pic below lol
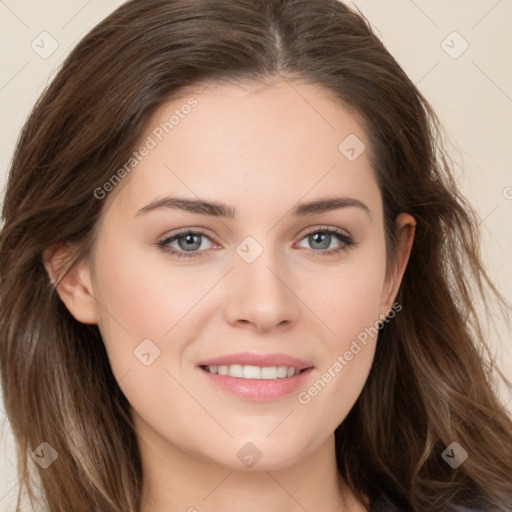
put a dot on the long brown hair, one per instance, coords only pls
(431, 383)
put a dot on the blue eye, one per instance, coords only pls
(189, 242)
(324, 237)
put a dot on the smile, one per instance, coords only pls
(253, 372)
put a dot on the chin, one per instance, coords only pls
(260, 454)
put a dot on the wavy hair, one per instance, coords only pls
(431, 382)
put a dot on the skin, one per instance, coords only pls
(259, 149)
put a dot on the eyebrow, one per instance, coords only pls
(216, 209)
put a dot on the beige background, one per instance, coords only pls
(471, 91)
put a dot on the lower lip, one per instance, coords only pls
(258, 389)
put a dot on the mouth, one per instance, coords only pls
(256, 377)
(240, 371)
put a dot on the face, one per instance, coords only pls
(244, 328)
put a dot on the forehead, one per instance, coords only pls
(239, 142)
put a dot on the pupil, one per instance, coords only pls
(192, 239)
(325, 236)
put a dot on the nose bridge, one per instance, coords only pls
(259, 290)
(257, 264)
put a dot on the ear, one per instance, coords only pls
(405, 227)
(73, 285)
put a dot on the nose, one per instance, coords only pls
(261, 294)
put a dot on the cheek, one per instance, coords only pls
(348, 299)
(143, 308)
(356, 305)
(351, 311)
(140, 290)
(136, 303)
(349, 353)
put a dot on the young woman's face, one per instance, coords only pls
(210, 261)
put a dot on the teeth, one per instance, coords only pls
(254, 372)
(269, 372)
(281, 372)
(236, 370)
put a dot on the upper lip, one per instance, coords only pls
(252, 359)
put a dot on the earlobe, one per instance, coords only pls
(406, 227)
(73, 284)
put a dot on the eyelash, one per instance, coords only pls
(345, 240)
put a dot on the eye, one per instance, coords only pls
(189, 242)
(321, 238)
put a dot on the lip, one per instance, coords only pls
(257, 389)
(253, 359)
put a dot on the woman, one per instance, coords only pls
(172, 338)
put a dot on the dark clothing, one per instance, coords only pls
(384, 504)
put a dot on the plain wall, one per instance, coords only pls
(471, 92)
